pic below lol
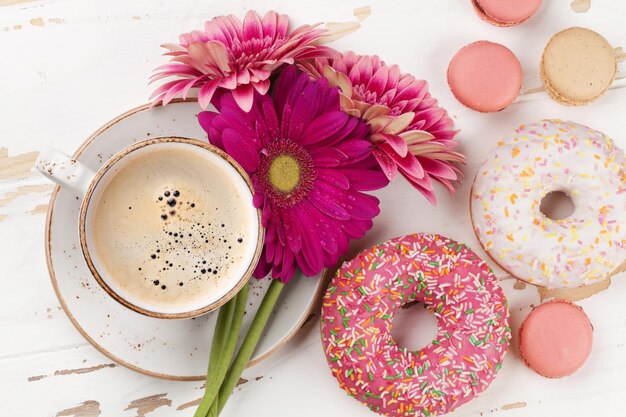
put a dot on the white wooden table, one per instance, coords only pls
(68, 66)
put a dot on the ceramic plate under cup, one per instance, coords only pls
(172, 349)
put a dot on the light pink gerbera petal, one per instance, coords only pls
(206, 94)
(243, 95)
(387, 165)
(397, 143)
(262, 86)
(239, 55)
(252, 27)
(393, 103)
(408, 165)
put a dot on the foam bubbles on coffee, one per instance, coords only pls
(170, 228)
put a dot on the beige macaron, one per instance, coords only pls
(578, 65)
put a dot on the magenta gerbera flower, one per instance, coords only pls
(236, 56)
(410, 133)
(308, 162)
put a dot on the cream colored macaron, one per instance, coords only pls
(578, 65)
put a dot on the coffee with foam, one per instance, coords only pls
(172, 228)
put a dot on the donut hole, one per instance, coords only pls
(414, 326)
(557, 205)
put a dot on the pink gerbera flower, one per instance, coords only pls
(410, 133)
(235, 56)
(308, 161)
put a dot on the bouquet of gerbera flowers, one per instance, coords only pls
(314, 130)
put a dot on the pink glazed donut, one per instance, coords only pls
(456, 285)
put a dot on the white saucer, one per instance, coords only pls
(172, 349)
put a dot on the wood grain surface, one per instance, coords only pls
(68, 66)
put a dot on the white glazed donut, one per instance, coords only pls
(553, 155)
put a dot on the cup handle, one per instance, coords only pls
(64, 170)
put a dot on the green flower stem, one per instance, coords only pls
(249, 343)
(227, 334)
(213, 410)
(224, 318)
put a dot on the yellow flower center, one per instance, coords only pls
(284, 173)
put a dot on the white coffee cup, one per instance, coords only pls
(91, 186)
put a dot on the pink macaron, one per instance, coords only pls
(555, 339)
(485, 76)
(506, 12)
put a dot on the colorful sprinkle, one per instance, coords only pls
(472, 316)
(536, 159)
